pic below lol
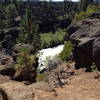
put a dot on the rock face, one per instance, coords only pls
(96, 52)
(6, 65)
(86, 44)
(82, 86)
(3, 95)
(61, 75)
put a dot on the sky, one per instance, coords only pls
(63, 0)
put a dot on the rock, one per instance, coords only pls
(6, 60)
(7, 70)
(81, 85)
(95, 15)
(61, 75)
(73, 28)
(3, 95)
(4, 79)
(83, 39)
(65, 22)
(44, 86)
(6, 65)
(96, 52)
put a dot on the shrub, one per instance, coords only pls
(83, 14)
(41, 77)
(29, 30)
(11, 13)
(25, 60)
(51, 40)
(65, 54)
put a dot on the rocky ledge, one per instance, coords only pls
(86, 39)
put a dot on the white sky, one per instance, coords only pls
(62, 0)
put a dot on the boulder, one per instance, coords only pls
(95, 14)
(96, 52)
(73, 28)
(83, 39)
(61, 75)
(6, 65)
(3, 95)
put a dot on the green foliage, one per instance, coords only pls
(50, 39)
(11, 13)
(26, 65)
(84, 4)
(93, 67)
(25, 60)
(41, 77)
(24, 50)
(94, 7)
(65, 54)
(2, 14)
(29, 28)
(83, 15)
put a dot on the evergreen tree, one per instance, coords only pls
(84, 4)
(97, 4)
(29, 30)
(2, 15)
(11, 13)
(65, 5)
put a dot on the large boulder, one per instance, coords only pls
(96, 52)
(3, 95)
(83, 40)
(6, 65)
(95, 15)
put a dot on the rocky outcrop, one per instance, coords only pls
(3, 95)
(84, 38)
(6, 65)
(95, 14)
(61, 75)
(96, 52)
(83, 86)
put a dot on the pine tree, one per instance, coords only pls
(11, 13)
(2, 15)
(29, 30)
(65, 5)
(84, 4)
